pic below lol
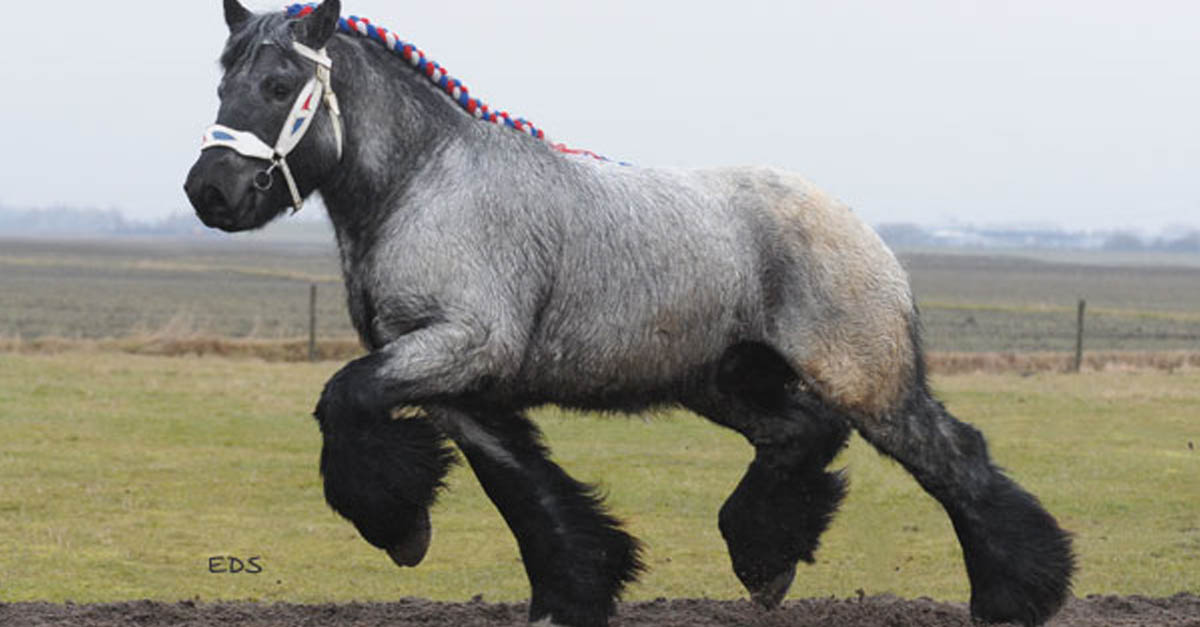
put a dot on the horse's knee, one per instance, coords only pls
(353, 396)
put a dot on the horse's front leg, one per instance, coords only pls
(381, 468)
(576, 555)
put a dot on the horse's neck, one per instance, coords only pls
(396, 125)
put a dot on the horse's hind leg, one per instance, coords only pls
(1018, 559)
(576, 555)
(786, 499)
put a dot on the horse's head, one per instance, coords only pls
(278, 130)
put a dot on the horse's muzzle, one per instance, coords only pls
(220, 188)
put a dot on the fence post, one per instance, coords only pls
(312, 322)
(1079, 336)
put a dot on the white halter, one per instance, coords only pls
(318, 89)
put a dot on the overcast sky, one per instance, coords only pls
(1081, 113)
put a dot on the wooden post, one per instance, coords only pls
(312, 322)
(1079, 336)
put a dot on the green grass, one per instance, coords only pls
(121, 475)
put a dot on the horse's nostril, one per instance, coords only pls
(211, 197)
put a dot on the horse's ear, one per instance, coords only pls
(315, 29)
(235, 14)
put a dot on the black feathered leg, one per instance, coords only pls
(380, 472)
(576, 555)
(775, 517)
(1017, 557)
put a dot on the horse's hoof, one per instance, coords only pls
(412, 550)
(770, 595)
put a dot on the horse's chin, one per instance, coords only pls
(253, 212)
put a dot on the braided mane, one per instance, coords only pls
(438, 76)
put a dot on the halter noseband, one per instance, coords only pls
(318, 89)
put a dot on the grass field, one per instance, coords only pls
(121, 476)
(242, 288)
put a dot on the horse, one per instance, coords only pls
(489, 270)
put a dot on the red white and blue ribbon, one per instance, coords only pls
(436, 74)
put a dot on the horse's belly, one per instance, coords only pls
(650, 287)
(617, 352)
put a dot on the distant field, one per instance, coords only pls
(1014, 303)
(122, 476)
(236, 288)
(244, 288)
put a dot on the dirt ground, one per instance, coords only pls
(1181, 610)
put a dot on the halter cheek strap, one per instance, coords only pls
(318, 89)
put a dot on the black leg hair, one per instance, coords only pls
(381, 473)
(777, 514)
(1018, 559)
(577, 556)
(786, 500)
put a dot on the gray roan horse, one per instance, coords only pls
(488, 272)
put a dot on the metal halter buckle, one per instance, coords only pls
(265, 179)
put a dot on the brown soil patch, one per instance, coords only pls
(1181, 610)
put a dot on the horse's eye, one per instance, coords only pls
(277, 88)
